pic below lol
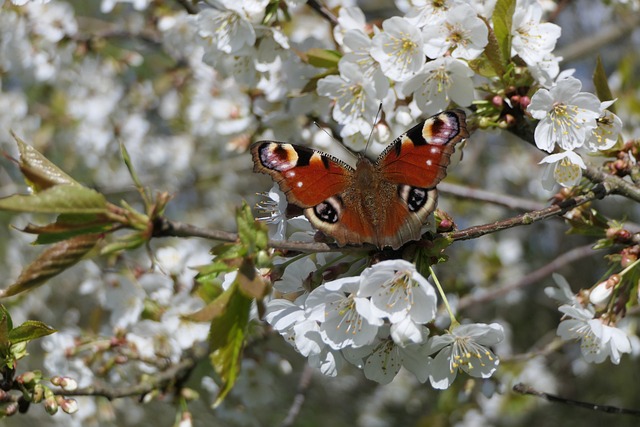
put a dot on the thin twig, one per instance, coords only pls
(525, 389)
(322, 10)
(528, 280)
(157, 381)
(166, 228)
(613, 184)
(527, 218)
(507, 201)
(301, 394)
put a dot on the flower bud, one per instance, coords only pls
(601, 293)
(70, 406)
(50, 405)
(10, 409)
(68, 384)
(38, 393)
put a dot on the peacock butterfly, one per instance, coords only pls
(385, 202)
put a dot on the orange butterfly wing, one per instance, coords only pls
(306, 176)
(419, 157)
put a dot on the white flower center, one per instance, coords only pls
(465, 352)
(351, 321)
(564, 118)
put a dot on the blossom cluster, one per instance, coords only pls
(569, 120)
(599, 339)
(423, 57)
(377, 322)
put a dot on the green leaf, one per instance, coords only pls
(5, 327)
(502, 22)
(601, 84)
(29, 331)
(129, 164)
(253, 234)
(322, 58)
(214, 309)
(492, 63)
(228, 251)
(250, 282)
(38, 171)
(67, 226)
(71, 199)
(52, 262)
(127, 242)
(226, 340)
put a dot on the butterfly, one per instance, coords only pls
(383, 202)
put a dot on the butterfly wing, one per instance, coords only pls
(416, 162)
(316, 182)
(419, 157)
(306, 176)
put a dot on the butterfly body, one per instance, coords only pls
(385, 202)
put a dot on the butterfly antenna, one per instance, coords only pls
(342, 146)
(366, 147)
(323, 130)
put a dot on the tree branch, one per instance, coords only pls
(322, 10)
(613, 184)
(521, 388)
(158, 381)
(301, 393)
(527, 218)
(511, 202)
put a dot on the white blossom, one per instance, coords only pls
(546, 70)
(387, 357)
(360, 54)
(465, 348)
(565, 168)
(345, 319)
(355, 96)
(562, 292)
(531, 39)
(601, 294)
(398, 49)
(567, 116)
(349, 18)
(274, 206)
(461, 32)
(229, 31)
(597, 340)
(429, 12)
(608, 129)
(125, 299)
(52, 21)
(441, 81)
(399, 293)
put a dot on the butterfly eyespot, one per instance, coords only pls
(414, 197)
(328, 211)
(278, 157)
